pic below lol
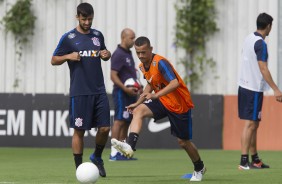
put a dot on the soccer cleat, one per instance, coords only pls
(122, 147)
(99, 163)
(198, 175)
(120, 157)
(259, 165)
(244, 167)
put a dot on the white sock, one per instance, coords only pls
(114, 151)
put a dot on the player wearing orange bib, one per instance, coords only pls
(171, 99)
(179, 100)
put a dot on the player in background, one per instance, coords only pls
(122, 68)
(83, 48)
(254, 79)
(171, 99)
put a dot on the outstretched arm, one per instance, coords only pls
(169, 88)
(148, 90)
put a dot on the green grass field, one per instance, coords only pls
(55, 166)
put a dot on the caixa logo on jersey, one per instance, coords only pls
(89, 53)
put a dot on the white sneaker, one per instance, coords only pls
(197, 176)
(122, 147)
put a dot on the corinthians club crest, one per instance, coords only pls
(96, 41)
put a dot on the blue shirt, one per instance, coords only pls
(123, 62)
(86, 76)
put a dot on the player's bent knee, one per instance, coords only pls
(142, 111)
(183, 143)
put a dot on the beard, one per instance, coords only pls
(84, 28)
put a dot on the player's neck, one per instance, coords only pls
(148, 64)
(123, 45)
(262, 33)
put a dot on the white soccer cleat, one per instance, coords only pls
(197, 176)
(244, 167)
(122, 147)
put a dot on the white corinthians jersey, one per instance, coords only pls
(250, 76)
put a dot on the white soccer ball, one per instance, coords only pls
(87, 173)
(131, 82)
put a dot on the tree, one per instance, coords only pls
(20, 21)
(194, 25)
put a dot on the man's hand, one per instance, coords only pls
(278, 95)
(74, 56)
(131, 107)
(105, 54)
(149, 96)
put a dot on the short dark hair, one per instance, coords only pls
(142, 40)
(263, 21)
(85, 9)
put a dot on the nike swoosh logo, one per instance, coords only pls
(77, 43)
(150, 80)
(157, 127)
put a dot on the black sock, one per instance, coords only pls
(198, 165)
(132, 140)
(77, 159)
(99, 150)
(244, 159)
(255, 158)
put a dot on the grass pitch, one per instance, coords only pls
(56, 166)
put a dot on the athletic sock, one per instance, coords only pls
(244, 159)
(255, 158)
(198, 165)
(98, 150)
(114, 151)
(132, 140)
(77, 159)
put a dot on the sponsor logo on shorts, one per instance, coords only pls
(125, 114)
(148, 101)
(259, 115)
(78, 122)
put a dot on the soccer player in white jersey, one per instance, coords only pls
(254, 79)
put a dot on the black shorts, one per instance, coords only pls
(249, 104)
(121, 100)
(180, 124)
(89, 111)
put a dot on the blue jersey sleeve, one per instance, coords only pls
(103, 46)
(261, 50)
(166, 70)
(63, 46)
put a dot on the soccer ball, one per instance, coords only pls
(87, 173)
(131, 82)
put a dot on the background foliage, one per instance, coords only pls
(19, 20)
(195, 24)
